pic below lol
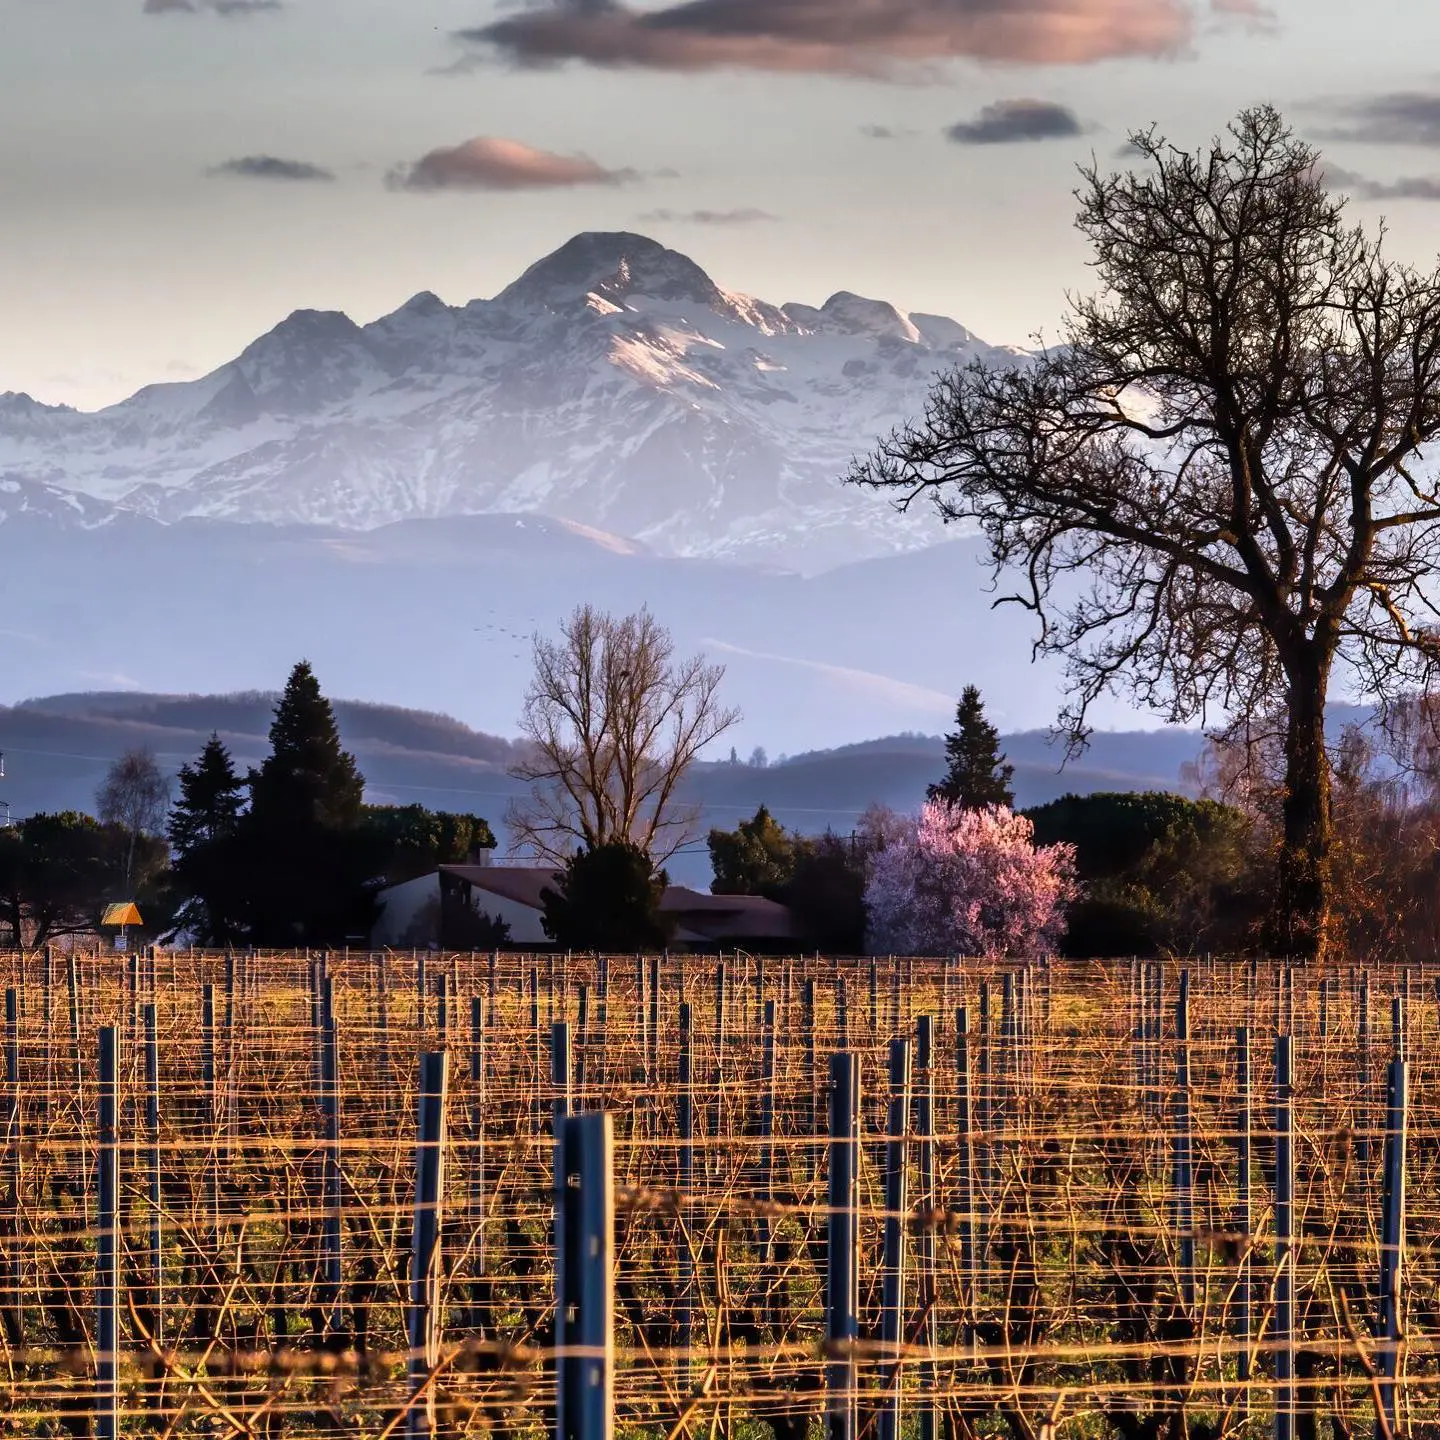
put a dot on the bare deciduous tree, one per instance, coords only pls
(613, 720)
(135, 795)
(1213, 491)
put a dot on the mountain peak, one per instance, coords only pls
(859, 316)
(614, 264)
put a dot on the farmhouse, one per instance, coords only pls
(416, 912)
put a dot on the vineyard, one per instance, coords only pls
(287, 1195)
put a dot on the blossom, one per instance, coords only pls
(968, 881)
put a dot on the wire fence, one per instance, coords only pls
(872, 1198)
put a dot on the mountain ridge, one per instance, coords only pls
(614, 384)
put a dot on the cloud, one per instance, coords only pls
(270, 167)
(1008, 122)
(229, 8)
(1403, 117)
(1361, 187)
(884, 132)
(486, 163)
(744, 215)
(854, 37)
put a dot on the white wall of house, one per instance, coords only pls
(523, 920)
(401, 904)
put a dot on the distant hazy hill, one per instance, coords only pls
(58, 747)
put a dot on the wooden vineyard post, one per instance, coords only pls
(1362, 1062)
(767, 1133)
(420, 995)
(1244, 1219)
(331, 1179)
(1284, 1238)
(713, 1158)
(897, 1219)
(107, 1251)
(559, 1075)
(925, 1134)
(424, 1310)
(1392, 1247)
(685, 1186)
(642, 1022)
(985, 1115)
(874, 996)
(602, 1016)
(584, 1283)
(807, 1030)
(965, 1171)
(155, 1239)
(477, 1143)
(842, 1251)
(652, 1059)
(383, 999)
(1184, 1147)
(14, 1303)
(212, 1107)
(73, 983)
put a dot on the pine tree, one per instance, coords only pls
(203, 827)
(977, 773)
(212, 795)
(307, 778)
(310, 868)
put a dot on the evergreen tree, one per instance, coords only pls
(755, 858)
(307, 778)
(608, 900)
(977, 774)
(212, 796)
(205, 869)
(310, 870)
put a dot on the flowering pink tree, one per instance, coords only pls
(969, 882)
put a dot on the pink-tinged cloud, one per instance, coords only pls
(486, 163)
(858, 37)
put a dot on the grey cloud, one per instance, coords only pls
(229, 8)
(1362, 187)
(744, 215)
(486, 163)
(1404, 117)
(857, 37)
(1008, 122)
(884, 132)
(270, 167)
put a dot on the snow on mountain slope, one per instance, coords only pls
(614, 384)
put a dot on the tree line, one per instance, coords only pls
(286, 854)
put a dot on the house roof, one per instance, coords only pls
(698, 914)
(520, 883)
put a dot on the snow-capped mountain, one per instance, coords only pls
(614, 385)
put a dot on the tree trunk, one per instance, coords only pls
(1301, 921)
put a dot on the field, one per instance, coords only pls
(1081, 1201)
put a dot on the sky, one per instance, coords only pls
(178, 175)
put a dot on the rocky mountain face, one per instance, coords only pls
(614, 385)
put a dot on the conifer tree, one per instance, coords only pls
(307, 778)
(311, 870)
(212, 795)
(205, 872)
(977, 773)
